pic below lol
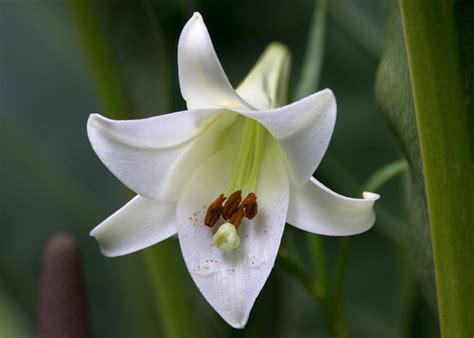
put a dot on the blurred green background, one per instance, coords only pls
(51, 180)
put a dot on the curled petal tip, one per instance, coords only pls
(328, 92)
(370, 196)
(95, 118)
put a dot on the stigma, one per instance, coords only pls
(226, 238)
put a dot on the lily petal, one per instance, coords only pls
(304, 129)
(315, 208)
(202, 80)
(137, 225)
(266, 86)
(230, 282)
(154, 156)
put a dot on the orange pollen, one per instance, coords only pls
(214, 211)
(235, 209)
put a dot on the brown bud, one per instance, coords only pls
(250, 206)
(214, 211)
(232, 204)
(63, 310)
(237, 217)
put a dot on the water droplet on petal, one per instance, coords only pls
(207, 268)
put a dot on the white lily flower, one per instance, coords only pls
(228, 140)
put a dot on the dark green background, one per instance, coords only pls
(51, 180)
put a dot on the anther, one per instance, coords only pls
(250, 206)
(214, 211)
(232, 204)
(237, 217)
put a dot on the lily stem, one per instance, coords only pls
(316, 247)
(336, 321)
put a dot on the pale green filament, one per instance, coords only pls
(249, 157)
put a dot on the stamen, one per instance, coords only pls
(231, 204)
(214, 211)
(234, 210)
(237, 217)
(250, 206)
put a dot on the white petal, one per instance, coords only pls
(201, 77)
(266, 86)
(155, 156)
(137, 225)
(304, 129)
(230, 282)
(315, 208)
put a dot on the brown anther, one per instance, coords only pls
(250, 206)
(214, 211)
(232, 204)
(237, 217)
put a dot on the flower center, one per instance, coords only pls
(249, 157)
(230, 206)
(234, 210)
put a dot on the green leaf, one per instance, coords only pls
(13, 321)
(438, 35)
(124, 46)
(314, 53)
(393, 93)
(427, 69)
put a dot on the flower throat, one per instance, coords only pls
(231, 206)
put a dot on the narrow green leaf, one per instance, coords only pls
(134, 37)
(314, 54)
(384, 174)
(353, 21)
(109, 86)
(393, 93)
(444, 111)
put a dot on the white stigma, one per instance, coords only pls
(226, 238)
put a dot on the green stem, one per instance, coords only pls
(107, 79)
(384, 174)
(173, 306)
(335, 299)
(316, 248)
(337, 322)
(357, 26)
(293, 268)
(169, 290)
(442, 117)
(314, 54)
